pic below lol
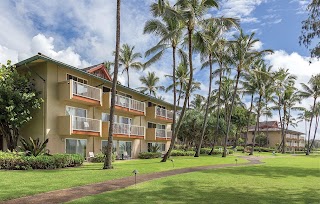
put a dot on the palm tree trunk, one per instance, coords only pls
(229, 117)
(108, 156)
(257, 125)
(165, 157)
(311, 119)
(283, 128)
(180, 94)
(207, 109)
(315, 130)
(249, 115)
(218, 111)
(128, 77)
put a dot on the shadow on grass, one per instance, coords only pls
(189, 193)
(270, 171)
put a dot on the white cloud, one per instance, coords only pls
(8, 54)
(41, 43)
(257, 46)
(241, 9)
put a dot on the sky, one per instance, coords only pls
(82, 33)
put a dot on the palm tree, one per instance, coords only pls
(127, 59)
(261, 76)
(198, 102)
(150, 84)
(108, 152)
(205, 43)
(313, 90)
(191, 14)
(170, 33)
(243, 55)
(283, 81)
(182, 79)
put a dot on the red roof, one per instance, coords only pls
(97, 69)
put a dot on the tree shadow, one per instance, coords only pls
(190, 193)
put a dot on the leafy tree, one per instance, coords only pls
(18, 97)
(108, 153)
(127, 58)
(311, 28)
(150, 84)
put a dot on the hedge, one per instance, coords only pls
(12, 161)
(99, 158)
(149, 155)
(182, 153)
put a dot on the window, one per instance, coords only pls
(124, 148)
(74, 78)
(125, 120)
(152, 125)
(160, 126)
(162, 146)
(106, 89)
(80, 112)
(76, 146)
(105, 117)
(104, 144)
(150, 104)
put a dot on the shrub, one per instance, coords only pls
(13, 161)
(99, 158)
(182, 153)
(149, 155)
(205, 150)
(33, 146)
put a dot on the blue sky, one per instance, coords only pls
(82, 33)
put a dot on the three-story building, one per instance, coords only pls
(75, 113)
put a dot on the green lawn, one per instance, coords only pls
(289, 179)
(15, 184)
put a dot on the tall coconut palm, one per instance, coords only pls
(108, 152)
(261, 76)
(313, 90)
(181, 80)
(127, 59)
(243, 55)
(170, 32)
(191, 14)
(205, 42)
(150, 84)
(198, 103)
(283, 81)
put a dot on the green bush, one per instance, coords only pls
(205, 150)
(99, 158)
(149, 155)
(182, 153)
(13, 161)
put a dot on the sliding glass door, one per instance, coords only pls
(76, 146)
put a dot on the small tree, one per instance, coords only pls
(18, 97)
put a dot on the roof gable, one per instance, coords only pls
(99, 70)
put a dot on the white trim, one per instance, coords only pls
(76, 108)
(77, 77)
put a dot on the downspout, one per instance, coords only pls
(44, 106)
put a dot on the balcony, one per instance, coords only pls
(78, 92)
(124, 104)
(158, 134)
(159, 114)
(124, 130)
(74, 125)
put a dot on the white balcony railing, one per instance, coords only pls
(130, 103)
(163, 133)
(86, 91)
(126, 129)
(160, 133)
(86, 124)
(164, 113)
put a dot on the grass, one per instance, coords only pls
(16, 184)
(289, 179)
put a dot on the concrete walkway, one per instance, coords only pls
(65, 195)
